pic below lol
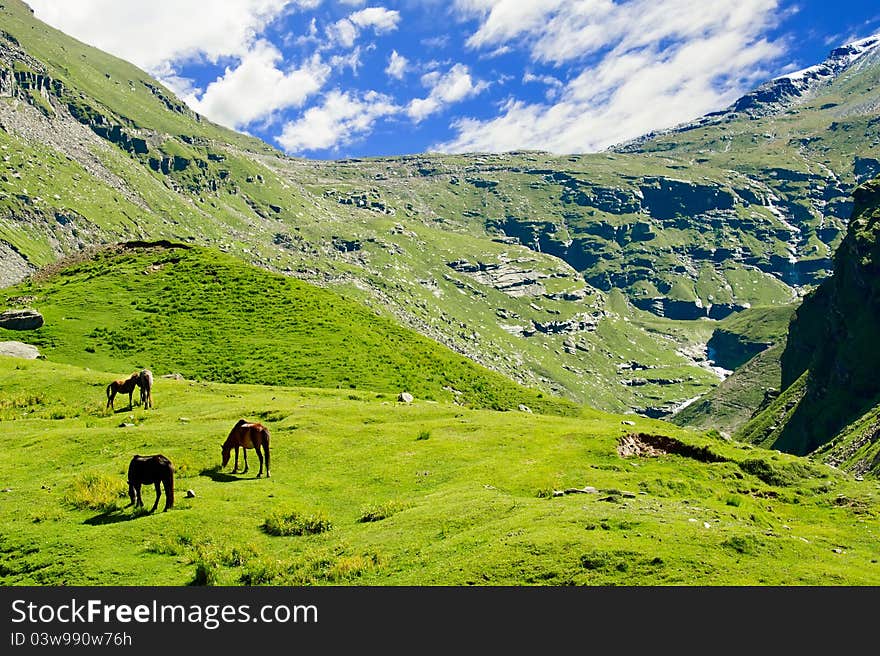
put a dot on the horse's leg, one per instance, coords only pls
(158, 492)
(266, 449)
(139, 503)
(260, 456)
(169, 491)
(130, 494)
(244, 450)
(235, 468)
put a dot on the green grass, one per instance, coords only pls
(760, 325)
(462, 508)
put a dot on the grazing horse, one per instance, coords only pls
(247, 435)
(146, 470)
(125, 386)
(145, 382)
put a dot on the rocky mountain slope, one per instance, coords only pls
(830, 397)
(598, 277)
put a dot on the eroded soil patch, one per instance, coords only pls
(646, 445)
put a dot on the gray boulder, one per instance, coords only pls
(405, 397)
(21, 319)
(19, 350)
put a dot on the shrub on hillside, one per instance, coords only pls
(296, 523)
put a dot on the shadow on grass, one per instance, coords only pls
(119, 411)
(116, 515)
(218, 476)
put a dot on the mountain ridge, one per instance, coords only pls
(568, 273)
(774, 95)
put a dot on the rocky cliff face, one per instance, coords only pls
(830, 388)
(834, 335)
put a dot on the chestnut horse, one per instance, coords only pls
(150, 470)
(246, 436)
(125, 386)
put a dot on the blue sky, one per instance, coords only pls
(357, 78)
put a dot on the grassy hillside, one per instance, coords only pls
(750, 343)
(207, 315)
(740, 396)
(398, 494)
(741, 336)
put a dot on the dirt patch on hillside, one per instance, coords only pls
(645, 445)
(91, 252)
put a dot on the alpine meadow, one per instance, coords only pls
(652, 365)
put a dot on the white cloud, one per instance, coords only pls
(554, 85)
(379, 18)
(397, 65)
(352, 60)
(649, 64)
(345, 31)
(178, 29)
(453, 86)
(503, 20)
(257, 87)
(183, 30)
(342, 118)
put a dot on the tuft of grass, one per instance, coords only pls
(423, 435)
(206, 572)
(95, 492)
(381, 511)
(261, 571)
(743, 544)
(350, 567)
(733, 500)
(296, 523)
(170, 546)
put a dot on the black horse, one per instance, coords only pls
(146, 470)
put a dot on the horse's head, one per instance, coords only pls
(225, 451)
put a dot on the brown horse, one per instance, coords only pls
(150, 470)
(145, 382)
(247, 435)
(125, 386)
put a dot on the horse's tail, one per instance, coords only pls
(266, 448)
